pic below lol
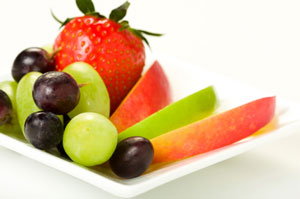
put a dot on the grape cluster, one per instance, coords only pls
(54, 111)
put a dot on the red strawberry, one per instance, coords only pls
(113, 48)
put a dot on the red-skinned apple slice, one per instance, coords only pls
(214, 132)
(150, 94)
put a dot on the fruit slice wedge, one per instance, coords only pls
(214, 132)
(183, 112)
(150, 94)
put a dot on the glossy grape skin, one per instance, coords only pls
(132, 157)
(60, 147)
(5, 108)
(94, 96)
(32, 59)
(44, 130)
(66, 120)
(90, 139)
(56, 92)
(62, 151)
(24, 100)
(11, 127)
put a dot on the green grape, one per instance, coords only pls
(93, 93)
(24, 100)
(48, 48)
(12, 127)
(90, 139)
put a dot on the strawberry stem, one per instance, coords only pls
(82, 85)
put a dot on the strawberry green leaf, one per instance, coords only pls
(55, 18)
(85, 6)
(151, 33)
(140, 35)
(96, 14)
(63, 23)
(120, 12)
(124, 25)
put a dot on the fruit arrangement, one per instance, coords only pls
(85, 96)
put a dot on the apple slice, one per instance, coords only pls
(150, 94)
(214, 132)
(183, 112)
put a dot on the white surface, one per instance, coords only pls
(230, 94)
(256, 42)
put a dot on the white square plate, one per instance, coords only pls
(184, 79)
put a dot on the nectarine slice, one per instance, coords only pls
(214, 132)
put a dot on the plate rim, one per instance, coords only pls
(130, 190)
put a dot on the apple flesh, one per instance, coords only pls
(183, 112)
(150, 94)
(214, 132)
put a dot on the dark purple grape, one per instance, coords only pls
(43, 130)
(60, 146)
(132, 157)
(67, 119)
(62, 151)
(56, 92)
(5, 108)
(32, 59)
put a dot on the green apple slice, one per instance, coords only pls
(183, 112)
(93, 93)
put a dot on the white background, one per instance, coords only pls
(255, 42)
